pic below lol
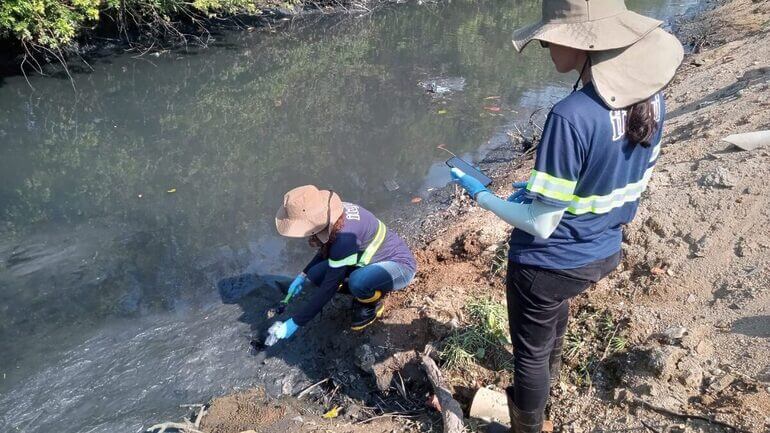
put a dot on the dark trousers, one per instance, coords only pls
(538, 312)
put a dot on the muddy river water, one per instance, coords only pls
(126, 201)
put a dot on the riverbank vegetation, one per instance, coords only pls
(51, 26)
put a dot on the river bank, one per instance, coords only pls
(63, 37)
(683, 324)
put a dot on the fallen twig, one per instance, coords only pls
(663, 410)
(162, 427)
(305, 391)
(649, 427)
(452, 413)
(388, 415)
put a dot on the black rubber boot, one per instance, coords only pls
(366, 311)
(523, 421)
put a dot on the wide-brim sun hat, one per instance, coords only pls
(588, 25)
(308, 211)
(625, 76)
(632, 58)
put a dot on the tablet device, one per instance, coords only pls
(470, 170)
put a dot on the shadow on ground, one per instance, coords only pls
(326, 348)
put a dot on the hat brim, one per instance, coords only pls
(609, 33)
(302, 228)
(626, 76)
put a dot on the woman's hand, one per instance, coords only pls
(296, 285)
(519, 189)
(280, 331)
(469, 183)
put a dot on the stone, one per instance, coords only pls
(364, 358)
(721, 383)
(764, 375)
(353, 411)
(720, 177)
(704, 348)
(690, 374)
(622, 395)
(674, 334)
(662, 361)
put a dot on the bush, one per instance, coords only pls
(48, 23)
(53, 24)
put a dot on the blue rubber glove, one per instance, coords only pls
(519, 189)
(296, 285)
(469, 183)
(280, 331)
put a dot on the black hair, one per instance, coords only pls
(641, 124)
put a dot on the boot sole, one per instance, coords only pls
(376, 316)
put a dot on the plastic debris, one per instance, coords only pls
(442, 111)
(332, 413)
(749, 140)
(391, 185)
(416, 200)
(172, 190)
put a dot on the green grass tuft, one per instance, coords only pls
(484, 339)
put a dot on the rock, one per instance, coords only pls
(721, 384)
(690, 374)
(764, 375)
(662, 361)
(364, 358)
(649, 388)
(718, 178)
(353, 411)
(673, 335)
(622, 396)
(704, 348)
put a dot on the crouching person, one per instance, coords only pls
(356, 253)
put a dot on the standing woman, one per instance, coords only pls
(352, 245)
(593, 162)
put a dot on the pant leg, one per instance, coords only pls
(383, 276)
(536, 307)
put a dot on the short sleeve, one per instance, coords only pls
(558, 163)
(344, 251)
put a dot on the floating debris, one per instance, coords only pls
(443, 86)
(391, 185)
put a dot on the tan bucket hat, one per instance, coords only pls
(308, 211)
(625, 76)
(588, 25)
(632, 58)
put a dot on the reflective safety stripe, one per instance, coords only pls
(551, 186)
(375, 297)
(655, 152)
(604, 203)
(347, 261)
(374, 245)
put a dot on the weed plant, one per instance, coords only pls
(484, 340)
